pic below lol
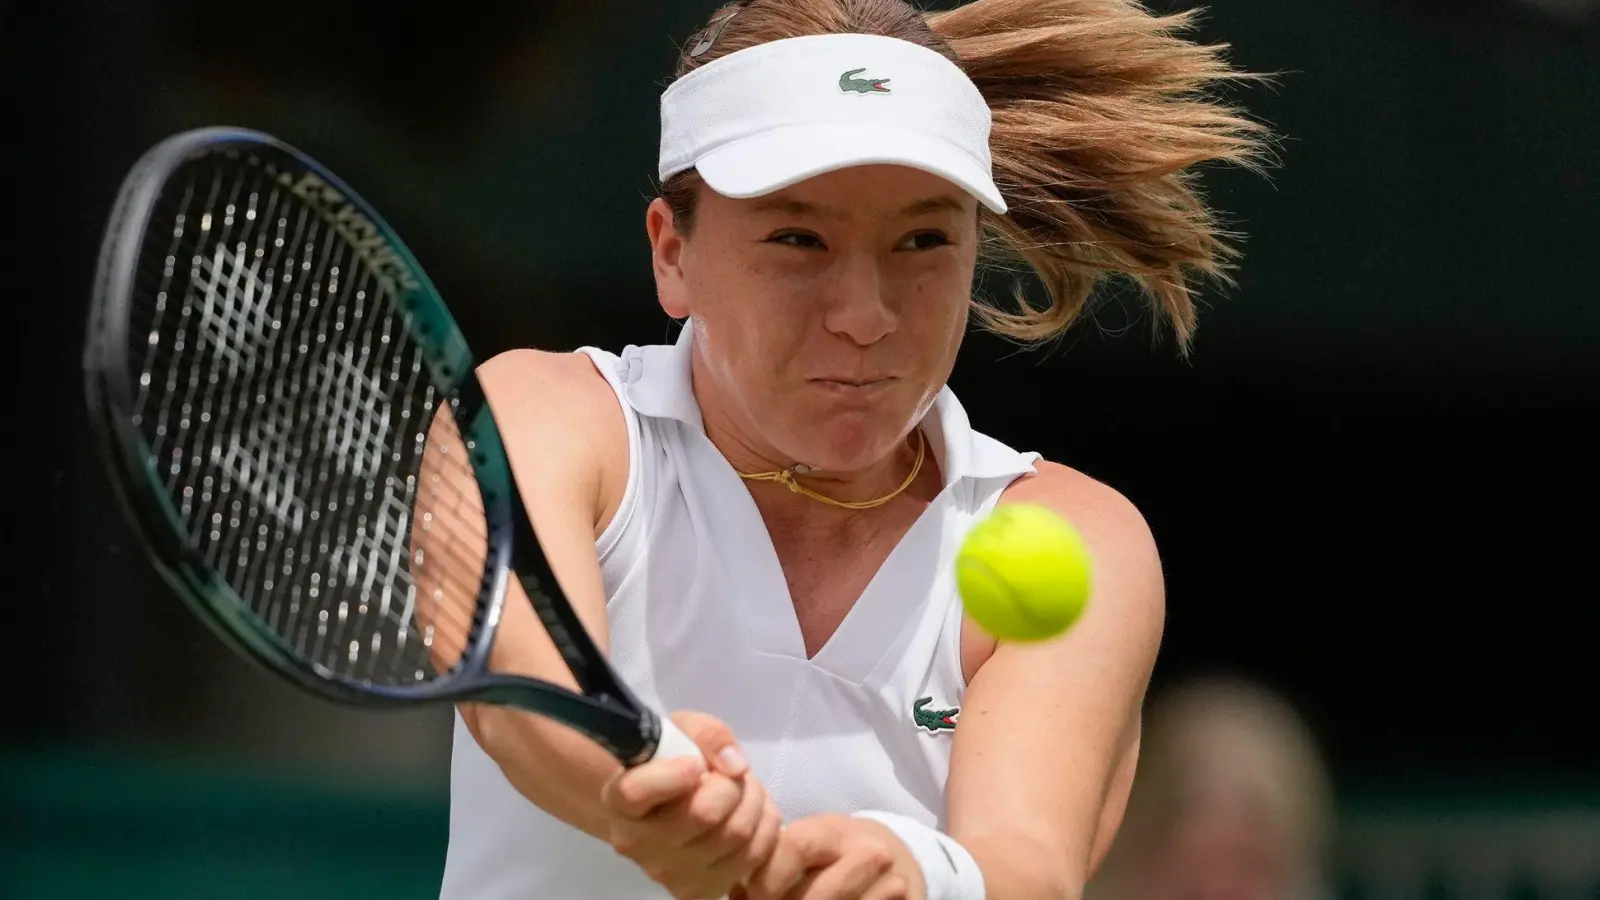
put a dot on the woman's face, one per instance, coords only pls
(828, 314)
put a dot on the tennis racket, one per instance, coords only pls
(294, 426)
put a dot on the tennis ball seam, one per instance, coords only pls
(1013, 600)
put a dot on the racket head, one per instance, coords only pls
(242, 296)
(138, 229)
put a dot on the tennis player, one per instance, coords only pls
(758, 520)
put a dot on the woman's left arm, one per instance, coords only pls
(1048, 738)
(1044, 750)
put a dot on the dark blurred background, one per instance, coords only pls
(1371, 483)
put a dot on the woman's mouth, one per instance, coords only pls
(852, 386)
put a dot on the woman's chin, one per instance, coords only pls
(847, 435)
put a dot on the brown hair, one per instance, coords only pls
(1101, 113)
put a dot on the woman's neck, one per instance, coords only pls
(750, 455)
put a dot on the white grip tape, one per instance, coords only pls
(674, 743)
(948, 869)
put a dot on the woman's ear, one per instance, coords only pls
(666, 258)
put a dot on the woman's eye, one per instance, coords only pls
(800, 239)
(924, 240)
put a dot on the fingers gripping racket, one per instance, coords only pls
(293, 422)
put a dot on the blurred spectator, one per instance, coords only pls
(1231, 801)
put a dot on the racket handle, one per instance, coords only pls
(674, 743)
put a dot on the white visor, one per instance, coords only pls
(762, 119)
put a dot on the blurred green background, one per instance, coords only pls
(1372, 485)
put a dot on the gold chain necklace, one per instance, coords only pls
(786, 477)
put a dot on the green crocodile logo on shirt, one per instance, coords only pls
(848, 82)
(934, 719)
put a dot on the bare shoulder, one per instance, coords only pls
(527, 380)
(561, 423)
(1095, 508)
(1129, 586)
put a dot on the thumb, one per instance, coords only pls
(715, 739)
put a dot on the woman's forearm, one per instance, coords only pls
(556, 768)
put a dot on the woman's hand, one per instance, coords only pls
(697, 827)
(834, 857)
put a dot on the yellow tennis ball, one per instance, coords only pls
(1024, 573)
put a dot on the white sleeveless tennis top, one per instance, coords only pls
(701, 619)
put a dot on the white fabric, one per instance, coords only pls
(948, 870)
(763, 118)
(700, 618)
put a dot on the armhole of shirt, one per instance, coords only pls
(608, 365)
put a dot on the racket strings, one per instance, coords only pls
(288, 413)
